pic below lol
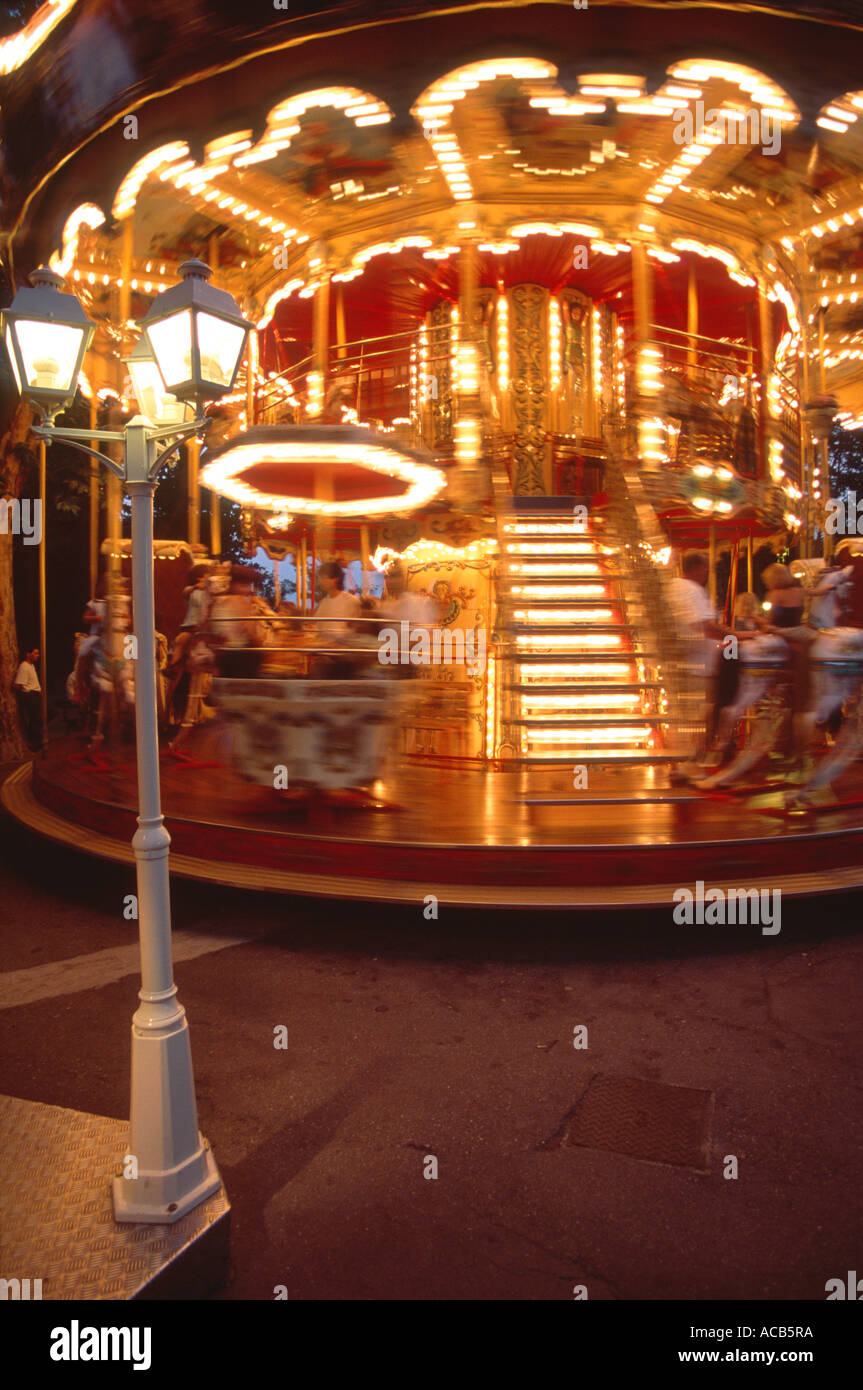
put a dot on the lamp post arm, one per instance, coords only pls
(57, 432)
(49, 435)
(177, 437)
(74, 439)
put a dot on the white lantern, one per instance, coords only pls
(46, 334)
(197, 335)
(154, 402)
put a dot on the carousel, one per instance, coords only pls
(531, 320)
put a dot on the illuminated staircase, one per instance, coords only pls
(582, 687)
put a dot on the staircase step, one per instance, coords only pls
(551, 524)
(598, 657)
(529, 504)
(561, 574)
(636, 799)
(579, 756)
(598, 603)
(586, 722)
(581, 596)
(582, 687)
(567, 629)
(553, 550)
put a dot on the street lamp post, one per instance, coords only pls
(195, 336)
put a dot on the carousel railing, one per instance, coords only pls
(708, 394)
(383, 377)
(713, 399)
(787, 423)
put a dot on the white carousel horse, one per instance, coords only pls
(765, 662)
(836, 664)
(835, 657)
(103, 670)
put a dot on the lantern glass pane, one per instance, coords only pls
(220, 344)
(12, 358)
(171, 341)
(49, 353)
(153, 400)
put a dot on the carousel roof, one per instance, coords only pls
(373, 160)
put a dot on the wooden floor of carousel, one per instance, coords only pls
(468, 835)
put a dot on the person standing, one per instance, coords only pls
(700, 631)
(28, 692)
(336, 606)
(336, 603)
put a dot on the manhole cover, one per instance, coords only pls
(667, 1124)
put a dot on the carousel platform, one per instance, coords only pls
(470, 836)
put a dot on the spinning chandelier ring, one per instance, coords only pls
(225, 469)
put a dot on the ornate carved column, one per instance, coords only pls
(531, 470)
(575, 308)
(648, 359)
(440, 353)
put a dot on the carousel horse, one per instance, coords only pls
(836, 665)
(186, 703)
(765, 664)
(835, 661)
(187, 672)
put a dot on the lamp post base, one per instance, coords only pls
(167, 1197)
(168, 1167)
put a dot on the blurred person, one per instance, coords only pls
(94, 620)
(849, 556)
(400, 604)
(785, 598)
(695, 613)
(336, 603)
(236, 626)
(197, 598)
(747, 623)
(699, 630)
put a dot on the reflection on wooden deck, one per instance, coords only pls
(467, 834)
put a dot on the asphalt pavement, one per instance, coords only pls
(454, 1040)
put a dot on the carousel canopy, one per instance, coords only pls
(751, 173)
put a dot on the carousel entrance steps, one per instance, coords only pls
(560, 574)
